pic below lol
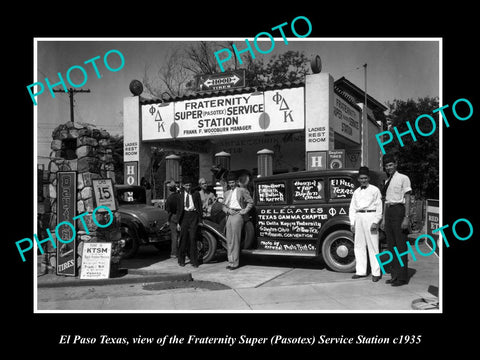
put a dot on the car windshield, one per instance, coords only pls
(131, 196)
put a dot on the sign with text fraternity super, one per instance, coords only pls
(269, 111)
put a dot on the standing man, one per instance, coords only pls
(365, 215)
(172, 221)
(238, 203)
(189, 215)
(397, 191)
(208, 198)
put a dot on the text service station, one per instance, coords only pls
(300, 122)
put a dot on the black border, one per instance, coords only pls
(455, 23)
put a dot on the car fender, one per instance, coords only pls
(135, 223)
(207, 225)
(340, 222)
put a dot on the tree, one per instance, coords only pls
(116, 143)
(287, 67)
(418, 159)
(171, 78)
(177, 76)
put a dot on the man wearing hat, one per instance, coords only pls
(189, 210)
(396, 192)
(238, 203)
(172, 221)
(365, 214)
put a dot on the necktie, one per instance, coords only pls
(385, 187)
(187, 201)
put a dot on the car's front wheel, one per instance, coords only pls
(207, 246)
(337, 251)
(131, 242)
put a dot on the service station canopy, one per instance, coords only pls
(247, 113)
(259, 112)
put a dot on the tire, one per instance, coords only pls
(129, 250)
(248, 235)
(207, 246)
(337, 251)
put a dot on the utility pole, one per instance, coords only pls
(71, 92)
(365, 123)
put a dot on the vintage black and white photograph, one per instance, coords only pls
(268, 174)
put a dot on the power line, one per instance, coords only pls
(71, 92)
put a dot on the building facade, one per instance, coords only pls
(314, 124)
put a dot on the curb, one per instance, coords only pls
(137, 277)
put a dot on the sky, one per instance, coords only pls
(396, 69)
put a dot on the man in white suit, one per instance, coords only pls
(365, 215)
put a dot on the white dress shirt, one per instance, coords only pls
(191, 205)
(398, 187)
(233, 203)
(369, 198)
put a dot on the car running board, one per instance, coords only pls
(276, 252)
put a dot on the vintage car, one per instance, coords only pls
(143, 224)
(300, 214)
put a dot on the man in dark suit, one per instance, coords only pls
(189, 211)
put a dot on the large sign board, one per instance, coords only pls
(301, 223)
(260, 112)
(96, 260)
(221, 81)
(283, 227)
(346, 119)
(66, 211)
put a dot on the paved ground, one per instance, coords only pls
(155, 282)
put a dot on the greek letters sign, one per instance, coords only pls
(262, 112)
(96, 261)
(66, 206)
